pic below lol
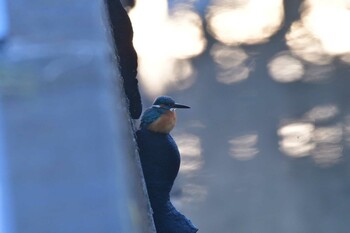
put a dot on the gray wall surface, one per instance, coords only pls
(67, 140)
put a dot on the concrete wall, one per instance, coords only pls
(67, 144)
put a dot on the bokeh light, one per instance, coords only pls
(321, 34)
(296, 139)
(303, 44)
(244, 147)
(322, 143)
(286, 68)
(345, 58)
(347, 130)
(329, 149)
(327, 155)
(164, 43)
(322, 113)
(231, 63)
(331, 134)
(328, 21)
(246, 21)
(191, 152)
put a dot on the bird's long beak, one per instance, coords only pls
(176, 105)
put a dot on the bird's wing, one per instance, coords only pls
(149, 116)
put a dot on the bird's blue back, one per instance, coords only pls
(150, 115)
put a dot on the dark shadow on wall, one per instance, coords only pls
(122, 33)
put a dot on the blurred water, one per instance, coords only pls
(265, 145)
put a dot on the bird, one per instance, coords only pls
(160, 161)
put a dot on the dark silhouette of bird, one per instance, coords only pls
(160, 160)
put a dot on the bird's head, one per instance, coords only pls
(167, 103)
(161, 117)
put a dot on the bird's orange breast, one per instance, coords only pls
(165, 123)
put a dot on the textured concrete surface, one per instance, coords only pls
(69, 148)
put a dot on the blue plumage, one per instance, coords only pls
(150, 115)
(165, 100)
(160, 160)
(159, 107)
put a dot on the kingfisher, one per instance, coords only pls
(160, 160)
(161, 116)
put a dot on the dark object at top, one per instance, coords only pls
(127, 57)
(160, 160)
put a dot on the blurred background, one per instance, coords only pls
(265, 146)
